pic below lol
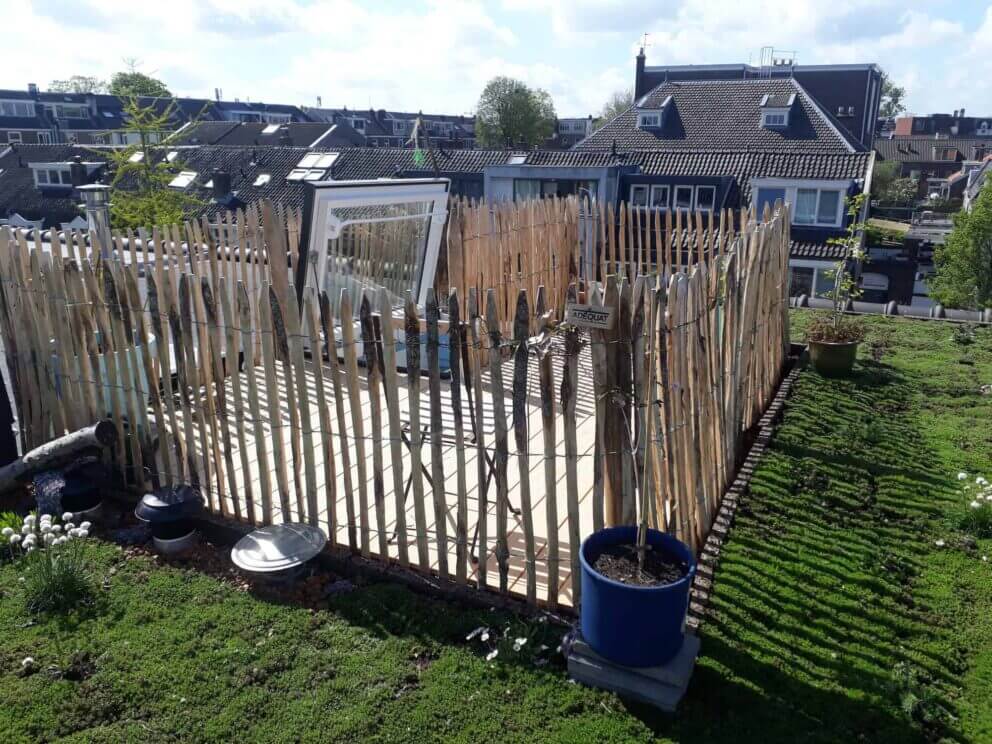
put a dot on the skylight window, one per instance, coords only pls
(313, 166)
(108, 114)
(262, 179)
(136, 157)
(517, 160)
(173, 154)
(271, 129)
(183, 180)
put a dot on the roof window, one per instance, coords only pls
(270, 129)
(172, 155)
(652, 117)
(136, 157)
(183, 180)
(516, 160)
(775, 109)
(262, 179)
(313, 166)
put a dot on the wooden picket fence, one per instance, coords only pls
(193, 340)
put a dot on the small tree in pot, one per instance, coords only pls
(636, 580)
(834, 338)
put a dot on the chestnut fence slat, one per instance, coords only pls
(479, 438)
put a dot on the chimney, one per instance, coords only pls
(639, 81)
(222, 184)
(961, 114)
(77, 172)
(217, 94)
(33, 90)
(320, 102)
(96, 202)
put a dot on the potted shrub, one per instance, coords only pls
(635, 580)
(834, 339)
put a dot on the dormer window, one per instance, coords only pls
(652, 117)
(775, 109)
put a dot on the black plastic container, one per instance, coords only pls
(169, 513)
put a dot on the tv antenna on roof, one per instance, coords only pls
(645, 40)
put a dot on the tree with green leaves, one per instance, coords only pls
(510, 113)
(140, 194)
(131, 83)
(888, 187)
(892, 95)
(78, 84)
(964, 261)
(618, 102)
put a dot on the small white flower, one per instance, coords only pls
(67, 517)
(49, 538)
(85, 525)
(68, 526)
(14, 539)
(46, 519)
(30, 540)
(939, 543)
(46, 528)
(492, 654)
(981, 481)
(7, 532)
(962, 476)
(27, 661)
(29, 548)
(485, 636)
(60, 540)
(519, 643)
(29, 519)
(84, 533)
(57, 528)
(976, 504)
(985, 558)
(26, 529)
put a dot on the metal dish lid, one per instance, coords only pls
(169, 504)
(278, 547)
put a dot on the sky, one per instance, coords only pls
(436, 55)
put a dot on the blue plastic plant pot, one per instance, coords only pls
(637, 626)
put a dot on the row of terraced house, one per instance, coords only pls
(709, 138)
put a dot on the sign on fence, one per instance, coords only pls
(597, 317)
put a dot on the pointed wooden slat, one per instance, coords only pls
(474, 374)
(437, 452)
(412, 331)
(455, 340)
(391, 389)
(547, 385)
(502, 447)
(327, 323)
(358, 426)
(312, 322)
(373, 378)
(521, 439)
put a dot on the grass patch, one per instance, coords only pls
(836, 616)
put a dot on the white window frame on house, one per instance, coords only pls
(682, 187)
(51, 174)
(358, 125)
(822, 276)
(15, 138)
(660, 202)
(24, 109)
(638, 195)
(649, 119)
(44, 138)
(792, 187)
(775, 118)
(712, 190)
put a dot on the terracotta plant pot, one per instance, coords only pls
(833, 358)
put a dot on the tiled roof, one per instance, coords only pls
(724, 115)
(299, 134)
(384, 162)
(812, 243)
(744, 166)
(921, 149)
(18, 193)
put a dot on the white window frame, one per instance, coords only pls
(183, 180)
(44, 138)
(675, 196)
(653, 201)
(644, 116)
(780, 116)
(712, 201)
(638, 187)
(11, 140)
(792, 187)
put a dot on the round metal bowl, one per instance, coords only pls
(175, 545)
(278, 548)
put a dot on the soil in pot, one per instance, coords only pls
(619, 563)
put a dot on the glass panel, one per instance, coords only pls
(705, 196)
(829, 202)
(659, 197)
(639, 196)
(802, 281)
(805, 207)
(371, 254)
(683, 197)
(526, 188)
(769, 197)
